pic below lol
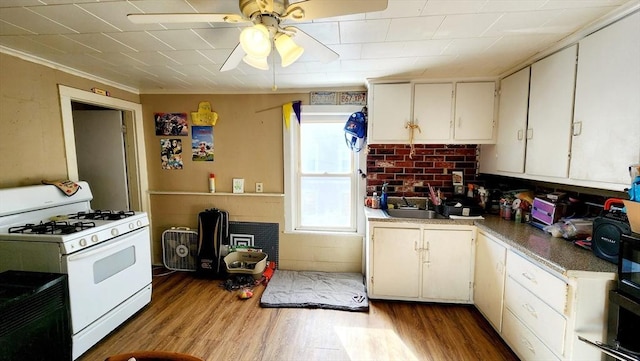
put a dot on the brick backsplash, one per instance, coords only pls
(431, 164)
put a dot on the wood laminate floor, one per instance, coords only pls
(197, 316)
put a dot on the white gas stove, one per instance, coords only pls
(106, 254)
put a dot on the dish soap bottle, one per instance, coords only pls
(383, 197)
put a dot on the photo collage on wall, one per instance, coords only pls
(171, 125)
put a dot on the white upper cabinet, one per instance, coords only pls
(389, 113)
(606, 135)
(474, 112)
(551, 114)
(512, 122)
(432, 111)
(429, 106)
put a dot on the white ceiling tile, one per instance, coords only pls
(574, 18)
(17, 3)
(382, 50)
(172, 6)
(182, 39)
(581, 4)
(115, 13)
(64, 44)
(363, 31)
(140, 41)
(13, 29)
(326, 33)
(522, 23)
(221, 38)
(348, 51)
(449, 7)
(28, 46)
(100, 42)
(74, 17)
(468, 46)
(465, 26)
(416, 28)
(32, 21)
(399, 9)
(500, 6)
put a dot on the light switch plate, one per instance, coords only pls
(258, 187)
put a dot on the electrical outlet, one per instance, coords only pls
(258, 187)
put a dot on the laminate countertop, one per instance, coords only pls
(556, 254)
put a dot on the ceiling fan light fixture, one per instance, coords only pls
(289, 51)
(256, 62)
(256, 41)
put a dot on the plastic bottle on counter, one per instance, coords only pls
(212, 183)
(375, 201)
(519, 215)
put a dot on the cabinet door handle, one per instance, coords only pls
(520, 134)
(577, 128)
(528, 345)
(529, 276)
(530, 309)
(530, 133)
(415, 246)
(459, 122)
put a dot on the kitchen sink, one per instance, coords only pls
(413, 213)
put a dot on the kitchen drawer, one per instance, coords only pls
(523, 342)
(543, 321)
(541, 283)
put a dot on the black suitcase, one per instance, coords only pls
(213, 233)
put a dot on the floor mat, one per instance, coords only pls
(308, 289)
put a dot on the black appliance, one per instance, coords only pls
(629, 265)
(623, 326)
(608, 228)
(34, 317)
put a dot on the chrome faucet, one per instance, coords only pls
(406, 202)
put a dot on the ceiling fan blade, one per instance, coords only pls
(233, 59)
(315, 48)
(316, 9)
(186, 18)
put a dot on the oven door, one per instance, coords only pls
(629, 265)
(103, 276)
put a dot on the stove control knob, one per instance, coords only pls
(94, 238)
(139, 223)
(131, 226)
(83, 242)
(114, 232)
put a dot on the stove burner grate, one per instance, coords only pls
(102, 215)
(53, 227)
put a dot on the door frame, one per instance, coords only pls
(135, 148)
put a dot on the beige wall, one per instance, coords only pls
(248, 144)
(31, 140)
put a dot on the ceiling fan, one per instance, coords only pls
(269, 27)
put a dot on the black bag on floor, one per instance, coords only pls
(213, 233)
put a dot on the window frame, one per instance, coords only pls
(292, 170)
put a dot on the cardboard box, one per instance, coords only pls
(633, 213)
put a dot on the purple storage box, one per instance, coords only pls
(545, 211)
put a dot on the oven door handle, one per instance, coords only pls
(102, 247)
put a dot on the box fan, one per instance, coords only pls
(180, 249)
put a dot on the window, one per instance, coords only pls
(321, 186)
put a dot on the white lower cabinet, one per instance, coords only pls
(447, 265)
(489, 276)
(420, 262)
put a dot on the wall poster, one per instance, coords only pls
(202, 143)
(171, 124)
(171, 153)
